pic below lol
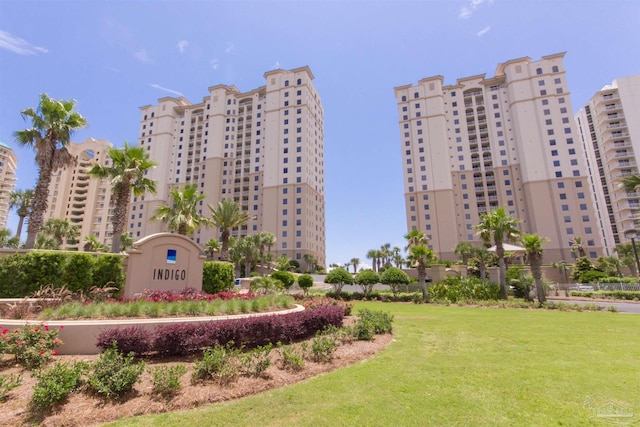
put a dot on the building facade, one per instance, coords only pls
(263, 148)
(609, 128)
(82, 200)
(508, 140)
(8, 165)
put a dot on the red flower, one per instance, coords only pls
(36, 330)
(55, 352)
(61, 327)
(41, 352)
(4, 331)
(46, 327)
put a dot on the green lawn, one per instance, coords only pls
(459, 366)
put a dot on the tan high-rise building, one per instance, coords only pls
(8, 164)
(263, 148)
(81, 199)
(508, 140)
(609, 126)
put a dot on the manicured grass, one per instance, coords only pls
(143, 308)
(458, 366)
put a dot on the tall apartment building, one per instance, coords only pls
(81, 199)
(263, 148)
(8, 164)
(609, 126)
(507, 140)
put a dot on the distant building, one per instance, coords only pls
(81, 199)
(8, 164)
(263, 148)
(507, 140)
(609, 126)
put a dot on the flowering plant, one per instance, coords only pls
(32, 345)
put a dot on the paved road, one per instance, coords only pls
(623, 307)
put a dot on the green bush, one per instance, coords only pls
(75, 275)
(217, 276)
(454, 289)
(165, 380)
(591, 276)
(623, 295)
(32, 345)
(114, 374)
(24, 274)
(323, 346)
(256, 361)
(292, 357)
(57, 382)
(108, 270)
(219, 363)
(8, 383)
(287, 279)
(305, 282)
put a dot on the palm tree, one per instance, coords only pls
(126, 174)
(52, 123)
(576, 246)
(533, 245)
(630, 182)
(265, 240)
(312, 262)
(464, 250)
(626, 255)
(420, 256)
(60, 230)
(373, 256)
(21, 201)
(92, 244)
(182, 215)
(386, 254)
(415, 238)
(355, 262)
(211, 247)
(498, 227)
(126, 241)
(482, 255)
(226, 215)
(5, 235)
(248, 247)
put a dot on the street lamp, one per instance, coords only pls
(632, 234)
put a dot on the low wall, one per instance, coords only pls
(79, 336)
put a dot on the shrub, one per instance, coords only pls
(322, 347)
(114, 374)
(8, 383)
(305, 282)
(217, 276)
(591, 276)
(108, 270)
(394, 278)
(292, 357)
(56, 383)
(133, 339)
(266, 285)
(367, 279)
(165, 380)
(286, 278)
(454, 289)
(33, 345)
(371, 323)
(12, 277)
(219, 363)
(77, 274)
(256, 361)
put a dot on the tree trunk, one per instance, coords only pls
(422, 280)
(502, 270)
(38, 205)
(224, 248)
(536, 271)
(121, 203)
(20, 222)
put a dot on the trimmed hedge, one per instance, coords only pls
(217, 277)
(23, 274)
(623, 295)
(185, 338)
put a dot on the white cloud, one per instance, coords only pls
(157, 86)
(182, 44)
(484, 31)
(17, 45)
(214, 64)
(229, 47)
(142, 55)
(276, 65)
(473, 5)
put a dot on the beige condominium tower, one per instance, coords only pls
(508, 140)
(263, 148)
(8, 162)
(82, 200)
(609, 128)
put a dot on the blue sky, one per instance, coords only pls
(115, 56)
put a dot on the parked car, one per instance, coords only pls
(581, 287)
